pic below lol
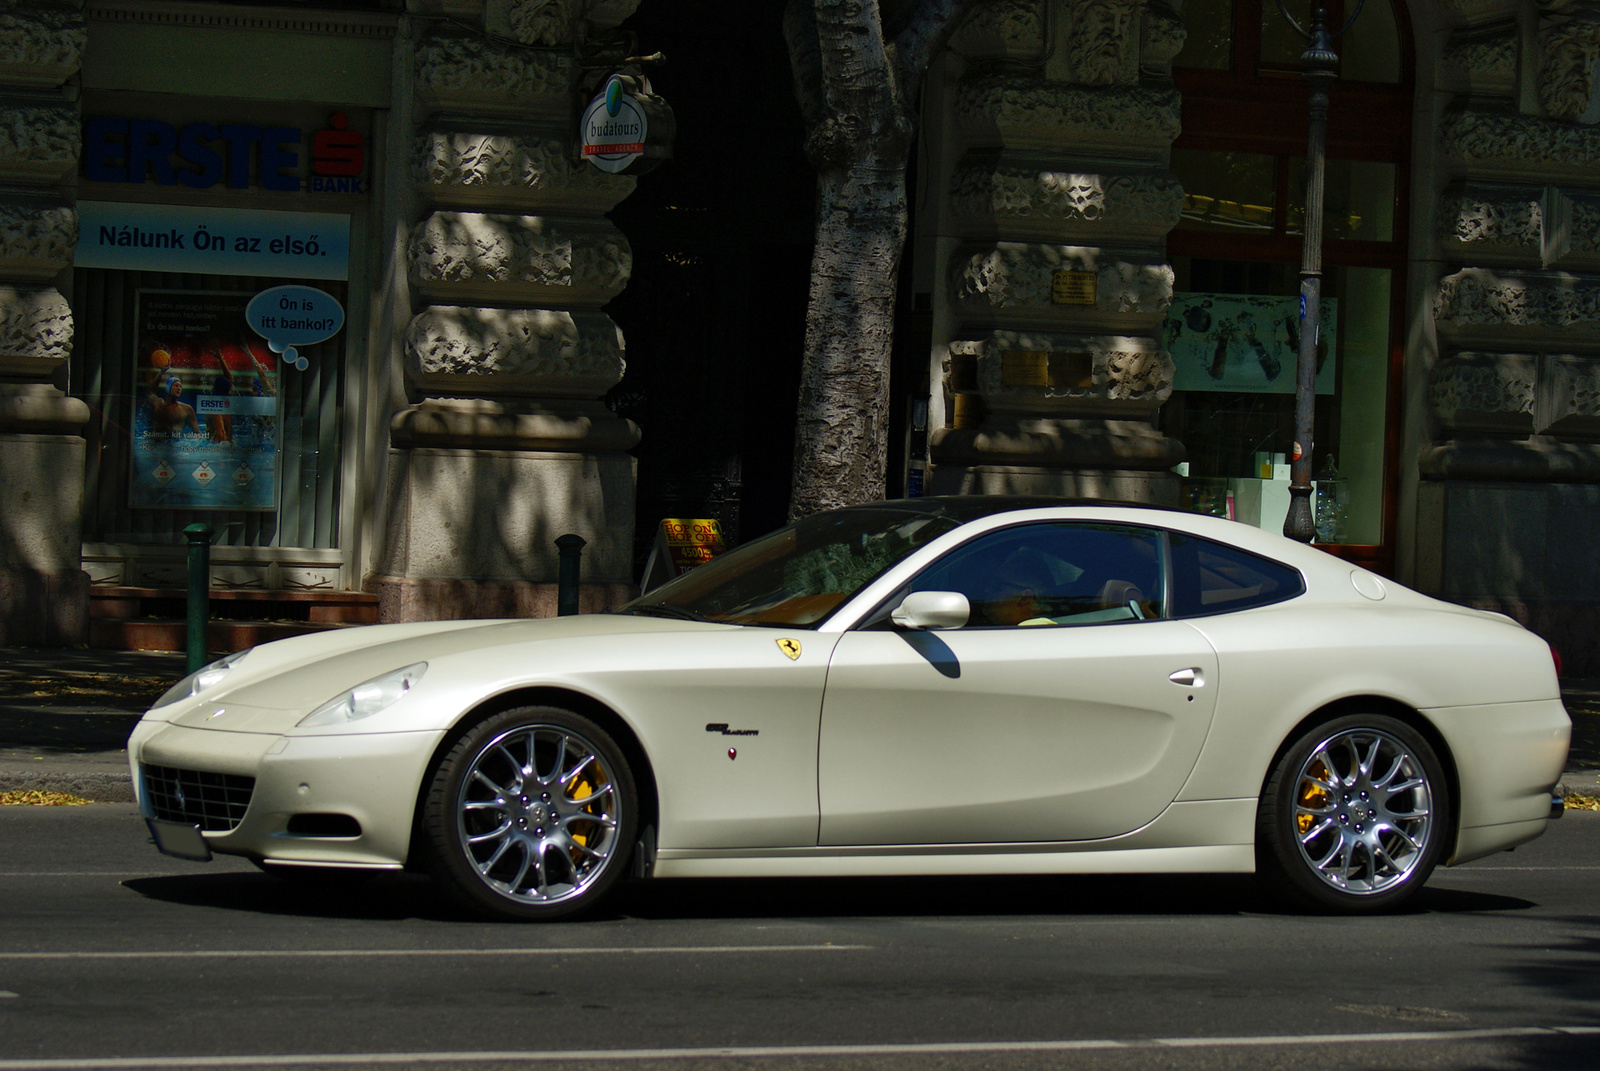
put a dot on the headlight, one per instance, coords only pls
(201, 679)
(365, 700)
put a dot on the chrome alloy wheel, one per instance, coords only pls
(1363, 811)
(537, 814)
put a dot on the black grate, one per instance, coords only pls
(215, 802)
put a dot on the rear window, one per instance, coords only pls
(1213, 578)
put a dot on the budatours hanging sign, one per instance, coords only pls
(236, 155)
(626, 129)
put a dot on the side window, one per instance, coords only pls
(1055, 574)
(1210, 578)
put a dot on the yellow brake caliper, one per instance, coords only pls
(1312, 795)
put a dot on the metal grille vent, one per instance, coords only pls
(215, 802)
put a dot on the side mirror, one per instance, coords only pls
(932, 609)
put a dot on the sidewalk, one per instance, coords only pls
(65, 715)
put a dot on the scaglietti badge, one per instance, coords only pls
(789, 647)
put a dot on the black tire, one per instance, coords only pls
(531, 815)
(1354, 817)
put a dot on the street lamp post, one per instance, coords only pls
(1321, 64)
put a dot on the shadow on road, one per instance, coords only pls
(393, 896)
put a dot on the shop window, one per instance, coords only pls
(1252, 36)
(196, 419)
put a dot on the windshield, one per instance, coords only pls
(797, 575)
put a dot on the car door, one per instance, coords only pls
(1060, 717)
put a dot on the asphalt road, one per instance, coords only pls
(112, 956)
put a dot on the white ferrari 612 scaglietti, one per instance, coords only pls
(933, 686)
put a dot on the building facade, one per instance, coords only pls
(337, 281)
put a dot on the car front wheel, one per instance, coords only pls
(530, 814)
(1354, 816)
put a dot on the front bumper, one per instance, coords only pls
(373, 778)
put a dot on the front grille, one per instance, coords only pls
(215, 802)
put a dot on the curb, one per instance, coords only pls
(102, 786)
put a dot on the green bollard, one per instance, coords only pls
(199, 537)
(567, 578)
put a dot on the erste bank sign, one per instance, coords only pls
(201, 155)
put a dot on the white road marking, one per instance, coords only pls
(749, 1052)
(374, 953)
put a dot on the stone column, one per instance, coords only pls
(1509, 493)
(44, 594)
(507, 445)
(1055, 209)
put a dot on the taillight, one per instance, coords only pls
(1555, 656)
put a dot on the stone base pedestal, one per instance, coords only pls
(1146, 488)
(44, 595)
(403, 599)
(1521, 549)
(43, 609)
(478, 493)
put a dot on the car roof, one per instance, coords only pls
(971, 507)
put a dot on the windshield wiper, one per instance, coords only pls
(661, 609)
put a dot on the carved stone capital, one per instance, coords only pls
(1569, 397)
(1520, 145)
(40, 46)
(1480, 303)
(1024, 111)
(1164, 37)
(1065, 374)
(1484, 393)
(35, 332)
(460, 70)
(503, 170)
(1567, 82)
(1483, 220)
(36, 240)
(1017, 196)
(526, 259)
(1018, 278)
(1013, 29)
(453, 349)
(1583, 224)
(38, 143)
(1483, 60)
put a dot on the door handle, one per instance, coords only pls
(1191, 678)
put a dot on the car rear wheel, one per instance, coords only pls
(530, 815)
(1354, 816)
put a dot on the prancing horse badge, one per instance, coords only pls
(789, 647)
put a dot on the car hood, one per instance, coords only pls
(302, 673)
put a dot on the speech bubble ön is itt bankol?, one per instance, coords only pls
(290, 316)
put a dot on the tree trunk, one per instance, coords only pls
(855, 93)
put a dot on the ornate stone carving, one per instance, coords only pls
(586, 263)
(1567, 75)
(37, 143)
(545, 22)
(1012, 28)
(1120, 368)
(1023, 110)
(1101, 46)
(1018, 277)
(1475, 297)
(456, 69)
(1498, 218)
(514, 351)
(1570, 397)
(1520, 143)
(1584, 228)
(35, 332)
(40, 46)
(1164, 37)
(36, 241)
(1484, 57)
(482, 168)
(1010, 192)
(1484, 392)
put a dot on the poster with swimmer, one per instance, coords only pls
(1249, 343)
(205, 413)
